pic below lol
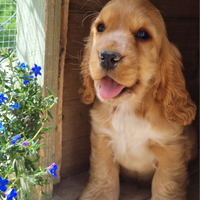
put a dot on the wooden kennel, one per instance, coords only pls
(66, 23)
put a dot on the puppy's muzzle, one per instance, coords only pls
(109, 59)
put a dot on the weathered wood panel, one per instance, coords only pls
(77, 31)
(184, 34)
(63, 45)
(176, 8)
(51, 65)
(76, 145)
(76, 120)
(72, 151)
(86, 5)
(76, 162)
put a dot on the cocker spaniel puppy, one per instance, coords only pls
(142, 110)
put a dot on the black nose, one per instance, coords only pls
(109, 59)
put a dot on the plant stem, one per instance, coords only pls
(27, 191)
(16, 179)
(11, 67)
(42, 122)
(40, 193)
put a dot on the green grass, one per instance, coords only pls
(7, 9)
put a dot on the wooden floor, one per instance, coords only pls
(71, 188)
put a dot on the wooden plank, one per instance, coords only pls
(74, 82)
(73, 150)
(71, 187)
(75, 163)
(76, 120)
(86, 5)
(63, 45)
(76, 145)
(193, 189)
(193, 89)
(76, 35)
(185, 35)
(77, 31)
(30, 38)
(51, 56)
(76, 142)
(178, 8)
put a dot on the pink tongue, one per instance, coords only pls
(109, 88)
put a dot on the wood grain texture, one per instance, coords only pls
(76, 120)
(76, 142)
(51, 63)
(176, 8)
(63, 44)
(76, 162)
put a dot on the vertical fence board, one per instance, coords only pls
(63, 45)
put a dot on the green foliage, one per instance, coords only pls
(23, 113)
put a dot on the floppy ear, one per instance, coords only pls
(171, 91)
(87, 90)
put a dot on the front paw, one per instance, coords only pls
(96, 193)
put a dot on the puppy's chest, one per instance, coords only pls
(129, 139)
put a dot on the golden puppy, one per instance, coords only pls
(142, 111)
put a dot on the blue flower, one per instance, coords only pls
(23, 66)
(1, 127)
(3, 184)
(53, 169)
(36, 69)
(26, 81)
(11, 195)
(15, 105)
(2, 98)
(15, 139)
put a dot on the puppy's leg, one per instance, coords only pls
(170, 179)
(104, 171)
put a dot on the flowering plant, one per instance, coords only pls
(23, 113)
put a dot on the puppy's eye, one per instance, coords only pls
(143, 35)
(100, 28)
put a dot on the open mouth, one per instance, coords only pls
(110, 89)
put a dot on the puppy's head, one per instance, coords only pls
(122, 53)
(126, 54)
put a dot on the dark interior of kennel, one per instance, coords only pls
(182, 23)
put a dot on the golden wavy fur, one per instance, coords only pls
(143, 130)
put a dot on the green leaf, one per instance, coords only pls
(50, 115)
(31, 180)
(15, 168)
(40, 145)
(47, 128)
(49, 91)
(25, 78)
